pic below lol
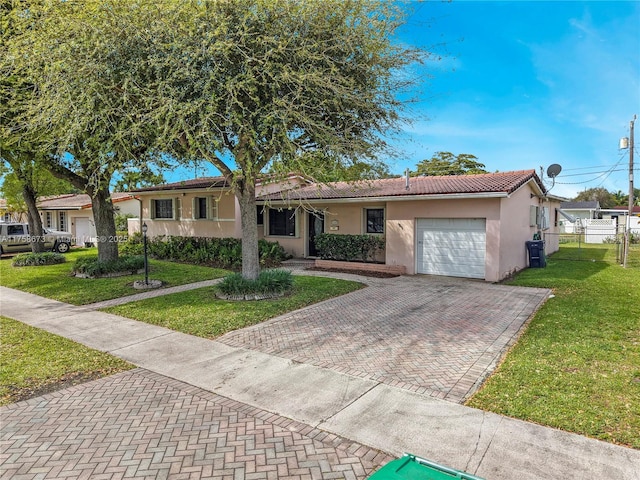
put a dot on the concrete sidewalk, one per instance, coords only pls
(380, 416)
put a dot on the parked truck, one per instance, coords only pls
(15, 237)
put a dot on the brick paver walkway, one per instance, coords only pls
(434, 335)
(139, 424)
(158, 292)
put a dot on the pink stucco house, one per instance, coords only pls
(472, 226)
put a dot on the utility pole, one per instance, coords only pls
(627, 234)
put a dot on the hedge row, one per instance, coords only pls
(92, 267)
(218, 252)
(37, 259)
(348, 248)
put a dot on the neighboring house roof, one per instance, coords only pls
(495, 184)
(591, 205)
(74, 201)
(622, 208)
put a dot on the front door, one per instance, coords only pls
(316, 226)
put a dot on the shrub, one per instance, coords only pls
(269, 282)
(93, 267)
(363, 248)
(218, 252)
(121, 221)
(37, 259)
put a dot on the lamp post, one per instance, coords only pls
(146, 262)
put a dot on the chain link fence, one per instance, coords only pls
(596, 248)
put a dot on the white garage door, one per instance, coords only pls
(453, 247)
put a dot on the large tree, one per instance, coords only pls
(322, 168)
(22, 159)
(446, 163)
(80, 60)
(605, 198)
(243, 83)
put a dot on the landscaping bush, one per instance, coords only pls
(218, 252)
(37, 259)
(269, 282)
(92, 267)
(349, 248)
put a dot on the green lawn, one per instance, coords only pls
(55, 281)
(577, 367)
(33, 362)
(199, 312)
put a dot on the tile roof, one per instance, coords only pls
(75, 201)
(623, 208)
(498, 183)
(194, 183)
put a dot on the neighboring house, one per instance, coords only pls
(621, 214)
(468, 226)
(73, 213)
(580, 211)
(7, 215)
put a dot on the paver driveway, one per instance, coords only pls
(435, 335)
(142, 425)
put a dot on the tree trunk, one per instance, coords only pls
(246, 194)
(35, 222)
(105, 224)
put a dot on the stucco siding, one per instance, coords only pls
(401, 226)
(516, 229)
(221, 213)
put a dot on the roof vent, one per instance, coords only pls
(406, 179)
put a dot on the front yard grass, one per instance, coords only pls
(56, 282)
(577, 366)
(34, 362)
(199, 312)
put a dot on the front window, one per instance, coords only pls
(374, 220)
(163, 208)
(260, 214)
(282, 222)
(62, 221)
(201, 208)
(48, 220)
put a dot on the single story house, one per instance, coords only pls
(621, 214)
(471, 226)
(578, 212)
(73, 213)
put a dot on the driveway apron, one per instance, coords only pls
(431, 335)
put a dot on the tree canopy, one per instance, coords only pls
(75, 63)
(242, 84)
(245, 84)
(599, 194)
(446, 163)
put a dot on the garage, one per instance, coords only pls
(454, 247)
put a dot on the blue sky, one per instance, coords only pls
(524, 84)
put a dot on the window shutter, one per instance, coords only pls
(533, 215)
(194, 206)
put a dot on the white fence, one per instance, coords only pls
(597, 230)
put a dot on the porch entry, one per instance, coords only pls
(315, 222)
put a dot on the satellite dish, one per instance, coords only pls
(554, 170)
